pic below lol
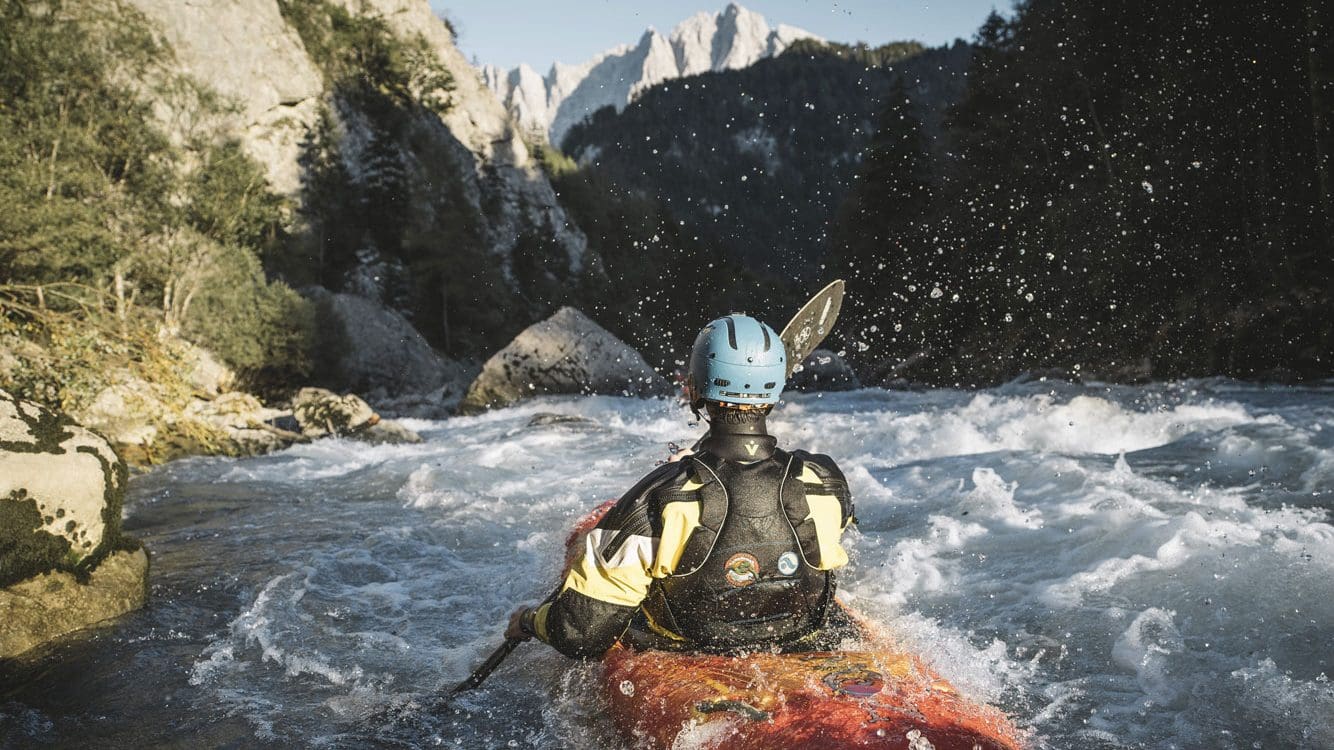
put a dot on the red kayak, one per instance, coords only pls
(877, 698)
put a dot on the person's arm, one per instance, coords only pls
(829, 511)
(605, 584)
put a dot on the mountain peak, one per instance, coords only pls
(735, 37)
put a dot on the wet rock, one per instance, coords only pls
(566, 353)
(323, 413)
(61, 493)
(544, 419)
(824, 370)
(52, 604)
(388, 432)
(441, 403)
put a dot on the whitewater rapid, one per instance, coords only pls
(1115, 566)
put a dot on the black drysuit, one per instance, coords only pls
(730, 548)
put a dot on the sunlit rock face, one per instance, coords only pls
(566, 353)
(245, 51)
(63, 562)
(551, 105)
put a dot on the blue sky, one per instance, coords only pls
(508, 32)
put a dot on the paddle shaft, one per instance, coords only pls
(480, 674)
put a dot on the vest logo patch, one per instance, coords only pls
(787, 564)
(742, 569)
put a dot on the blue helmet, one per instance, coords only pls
(737, 360)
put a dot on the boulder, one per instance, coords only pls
(374, 349)
(824, 370)
(52, 604)
(61, 489)
(323, 413)
(566, 353)
(244, 424)
(64, 563)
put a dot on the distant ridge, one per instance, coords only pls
(549, 106)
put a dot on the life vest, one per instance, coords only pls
(749, 574)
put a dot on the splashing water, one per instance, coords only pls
(1117, 567)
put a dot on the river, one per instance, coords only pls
(1115, 566)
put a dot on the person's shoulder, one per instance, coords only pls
(818, 464)
(661, 476)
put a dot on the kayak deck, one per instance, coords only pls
(800, 701)
(820, 700)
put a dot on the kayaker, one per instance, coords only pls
(730, 548)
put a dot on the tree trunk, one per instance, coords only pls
(120, 296)
(51, 170)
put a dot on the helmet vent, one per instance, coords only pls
(770, 385)
(721, 382)
(731, 333)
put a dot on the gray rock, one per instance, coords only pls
(376, 349)
(441, 403)
(547, 419)
(824, 370)
(566, 353)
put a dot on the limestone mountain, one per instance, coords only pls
(548, 106)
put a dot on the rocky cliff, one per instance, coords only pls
(551, 105)
(251, 53)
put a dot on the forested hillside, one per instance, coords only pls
(756, 161)
(1128, 190)
(1117, 191)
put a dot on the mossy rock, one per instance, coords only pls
(61, 493)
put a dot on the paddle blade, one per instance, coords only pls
(812, 323)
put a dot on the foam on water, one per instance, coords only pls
(1118, 567)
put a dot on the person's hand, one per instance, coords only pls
(678, 453)
(515, 629)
